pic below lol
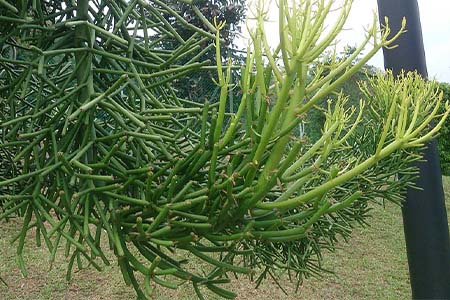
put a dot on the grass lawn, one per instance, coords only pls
(372, 265)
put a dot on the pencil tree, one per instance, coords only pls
(106, 149)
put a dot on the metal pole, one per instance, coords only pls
(424, 213)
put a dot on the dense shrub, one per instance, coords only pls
(444, 137)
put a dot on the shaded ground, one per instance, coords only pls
(371, 266)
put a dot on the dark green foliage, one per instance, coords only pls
(444, 137)
(198, 86)
(230, 11)
(8, 168)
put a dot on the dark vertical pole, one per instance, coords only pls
(424, 214)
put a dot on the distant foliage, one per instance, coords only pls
(316, 117)
(444, 137)
(198, 86)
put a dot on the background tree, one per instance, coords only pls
(444, 137)
(316, 117)
(199, 85)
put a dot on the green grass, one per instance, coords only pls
(372, 265)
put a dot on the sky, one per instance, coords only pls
(435, 28)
